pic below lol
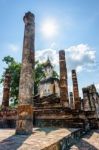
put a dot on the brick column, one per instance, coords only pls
(6, 90)
(63, 80)
(86, 101)
(89, 98)
(25, 110)
(71, 100)
(75, 90)
(92, 91)
(82, 104)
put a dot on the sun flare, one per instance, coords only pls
(49, 28)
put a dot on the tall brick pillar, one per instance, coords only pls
(86, 101)
(63, 80)
(6, 90)
(25, 108)
(71, 101)
(75, 90)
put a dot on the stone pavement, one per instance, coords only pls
(43, 138)
(40, 139)
(89, 142)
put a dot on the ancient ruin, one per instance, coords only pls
(75, 90)
(49, 85)
(52, 106)
(6, 90)
(91, 99)
(71, 101)
(63, 80)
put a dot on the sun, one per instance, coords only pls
(49, 28)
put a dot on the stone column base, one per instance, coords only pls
(24, 123)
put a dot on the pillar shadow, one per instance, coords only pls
(13, 142)
(47, 130)
(82, 144)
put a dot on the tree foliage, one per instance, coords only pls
(14, 69)
(39, 74)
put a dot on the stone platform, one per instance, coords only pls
(41, 139)
(56, 117)
(59, 117)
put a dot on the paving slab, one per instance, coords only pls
(88, 142)
(40, 138)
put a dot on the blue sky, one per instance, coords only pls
(77, 24)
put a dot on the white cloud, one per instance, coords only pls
(97, 86)
(13, 47)
(80, 52)
(42, 55)
(80, 93)
(53, 45)
(80, 57)
(69, 74)
(70, 88)
(79, 68)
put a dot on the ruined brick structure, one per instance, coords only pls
(63, 80)
(91, 99)
(8, 118)
(86, 100)
(50, 107)
(75, 90)
(25, 111)
(49, 85)
(82, 104)
(71, 101)
(6, 90)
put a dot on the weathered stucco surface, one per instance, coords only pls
(6, 90)
(24, 122)
(63, 80)
(77, 104)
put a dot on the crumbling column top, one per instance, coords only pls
(71, 93)
(28, 18)
(61, 51)
(74, 71)
(62, 55)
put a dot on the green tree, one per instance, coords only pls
(14, 69)
(39, 74)
(55, 74)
